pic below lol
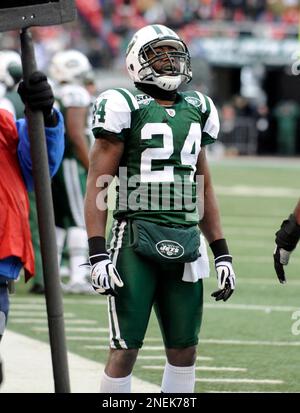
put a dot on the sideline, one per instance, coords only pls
(28, 369)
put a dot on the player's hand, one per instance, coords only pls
(286, 240)
(38, 95)
(226, 278)
(281, 258)
(104, 275)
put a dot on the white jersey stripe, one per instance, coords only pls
(114, 321)
(132, 98)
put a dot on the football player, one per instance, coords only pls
(286, 241)
(155, 137)
(70, 69)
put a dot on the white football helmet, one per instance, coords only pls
(10, 68)
(140, 62)
(70, 66)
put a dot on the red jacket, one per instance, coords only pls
(15, 236)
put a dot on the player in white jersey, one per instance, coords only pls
(70, 69)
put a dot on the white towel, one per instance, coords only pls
(195, 270)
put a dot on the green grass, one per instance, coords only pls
(260, 311)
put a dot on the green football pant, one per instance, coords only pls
(178, 304)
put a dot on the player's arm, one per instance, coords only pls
(75, 121)
(211, 227)
(286, 241)
(104, 160)
(297, 213)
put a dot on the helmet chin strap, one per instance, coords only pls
(156, 92)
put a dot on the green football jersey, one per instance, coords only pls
(161, 147)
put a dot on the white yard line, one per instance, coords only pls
(87, 338)
(44, 320)
(224, 391)
(28, 369)
(200, 368)
(145, 348)
(39, 302)
(250, 381)
(164, 358)
(35, 314)
(251, 342)
(76, 329)
(251, 307)
(257, 191)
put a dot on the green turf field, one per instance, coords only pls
(246, 344)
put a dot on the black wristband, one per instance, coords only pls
(219, 247)
(97, 245)
(289, 234)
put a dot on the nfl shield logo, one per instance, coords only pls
(171, 112)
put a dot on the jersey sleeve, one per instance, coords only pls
(74, 96)
(112, 114)
(211, 123)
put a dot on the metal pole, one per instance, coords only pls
(46, 222)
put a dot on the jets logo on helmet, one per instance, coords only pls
(70, 66)
(142, 55)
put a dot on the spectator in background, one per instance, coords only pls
(264, 143)
(287, 114)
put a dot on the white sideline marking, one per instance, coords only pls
(28, 369)
(44, 320)
(164, 358)
(252, 342)
(251, 307)
(76, 329)
(257, 191)
(201, 368)
(252, 381)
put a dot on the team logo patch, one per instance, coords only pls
(169, 249)
(143, 99)
(193, 101)
(171, 112)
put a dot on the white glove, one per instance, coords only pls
(104, 275)
(226, 278)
